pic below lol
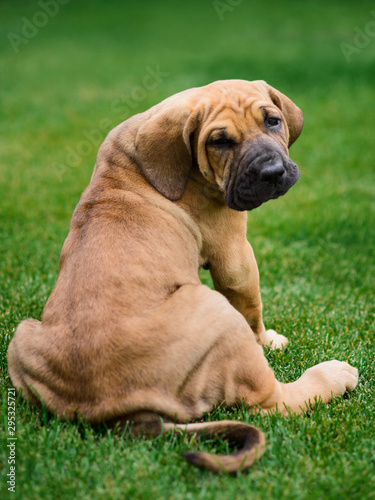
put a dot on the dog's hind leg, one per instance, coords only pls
(213, 357)
(323, 382)
(22, 364)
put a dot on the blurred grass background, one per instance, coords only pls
(84, 72)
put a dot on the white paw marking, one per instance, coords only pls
(274, 340)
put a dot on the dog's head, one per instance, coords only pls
(237, 132)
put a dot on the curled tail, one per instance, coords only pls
(249, 440)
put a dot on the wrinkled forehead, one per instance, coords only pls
(237, 92)
(234, 103)
(225, 87)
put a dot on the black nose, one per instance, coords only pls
(272, 173)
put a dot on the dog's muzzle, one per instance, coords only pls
(261, 176)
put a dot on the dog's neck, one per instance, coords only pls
(205, 188)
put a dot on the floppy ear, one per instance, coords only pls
(163, 149)
(293, 115)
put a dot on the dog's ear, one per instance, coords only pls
(163, 148)
(293, 115)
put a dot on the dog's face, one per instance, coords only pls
(237, 132)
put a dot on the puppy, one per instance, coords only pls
(129, 334)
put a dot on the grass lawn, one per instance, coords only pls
(62, 88)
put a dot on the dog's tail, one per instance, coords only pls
(249, 440)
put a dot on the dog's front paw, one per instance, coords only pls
(275, 340)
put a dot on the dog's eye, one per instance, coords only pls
(222, 140)
(273, 122)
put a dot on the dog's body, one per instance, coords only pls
(129, 331)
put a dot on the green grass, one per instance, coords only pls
(315, 246)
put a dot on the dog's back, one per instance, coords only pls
(129, 332)
(99, 309)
